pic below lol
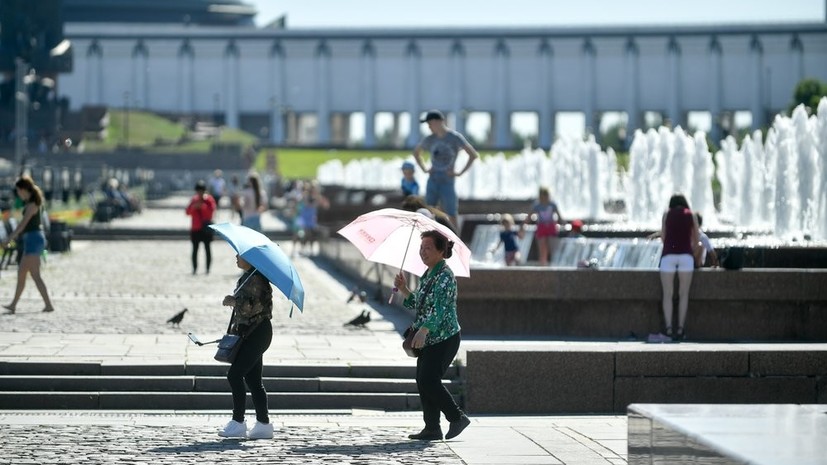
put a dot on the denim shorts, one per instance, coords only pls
(440, 192)
(34, 242)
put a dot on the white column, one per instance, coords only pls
(632, 87)
(589, 54)
(413, 77)
(797, 59)
(758, 94)
(715, 86)
(369, 92)
(458, 85)
(140, 76)
(231, 104)
(502, 117)
(278, 103)
(323, 93)
(674, 110)
(546, 92)
(94, 74)
(186, 76)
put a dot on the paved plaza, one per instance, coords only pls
(112, 300)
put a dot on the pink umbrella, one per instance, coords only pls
(385, 236)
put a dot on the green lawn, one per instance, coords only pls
(154, 133)
(151, 132)
(295, 163)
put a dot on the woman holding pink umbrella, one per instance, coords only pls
(437, 336)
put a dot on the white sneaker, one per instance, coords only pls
(234, 429)
(261, 431)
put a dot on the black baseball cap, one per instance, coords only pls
(432, 115)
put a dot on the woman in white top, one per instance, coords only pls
(253, 203)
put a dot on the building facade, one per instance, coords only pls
(304, 86)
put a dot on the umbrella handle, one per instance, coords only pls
(395, 289)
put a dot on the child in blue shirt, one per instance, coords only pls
(409, 184)
(508, 237)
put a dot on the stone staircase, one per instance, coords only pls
(93, 385)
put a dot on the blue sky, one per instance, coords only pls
(467, 13)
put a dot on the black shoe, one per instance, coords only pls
(457, 427)
(427, 435)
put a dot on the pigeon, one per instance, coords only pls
(176, 319)
(362, 295)
(360, 320)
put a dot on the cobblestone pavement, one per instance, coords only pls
(309, 438)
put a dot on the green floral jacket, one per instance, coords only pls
(435, 303)
(253, 302)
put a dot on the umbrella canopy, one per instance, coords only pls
(266, 257)
(391, 236)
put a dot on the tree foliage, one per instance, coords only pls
(809, 92)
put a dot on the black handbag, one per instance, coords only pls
(228, 345)
(228, 348)
(407, 344)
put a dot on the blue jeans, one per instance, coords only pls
(440, 189)
(34, 242)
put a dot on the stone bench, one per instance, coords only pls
(608, 377)
(745, 305)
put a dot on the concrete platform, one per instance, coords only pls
(771, 434)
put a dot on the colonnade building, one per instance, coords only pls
(367, 87)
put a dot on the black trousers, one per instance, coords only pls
(197, 237)
(431, 366)
(247, 368)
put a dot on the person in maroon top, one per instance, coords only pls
(679, 233)
(201, 208)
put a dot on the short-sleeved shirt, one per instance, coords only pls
(509, 240)
(410, 187)
(443, 150)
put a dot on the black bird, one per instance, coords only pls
(176, 319)
(362, 295)
(360, 320)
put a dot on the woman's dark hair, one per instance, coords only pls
(440, 242)
(27, 184)
(678, 200)
(256, 186)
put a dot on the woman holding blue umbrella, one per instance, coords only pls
(252, 305)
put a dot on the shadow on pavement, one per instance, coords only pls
(218, 445)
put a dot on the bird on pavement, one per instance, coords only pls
(362, 295)
(176, 319)
(360, 320)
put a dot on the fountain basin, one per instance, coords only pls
(532, 302)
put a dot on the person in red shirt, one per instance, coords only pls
(201, 209)
(679, 233)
